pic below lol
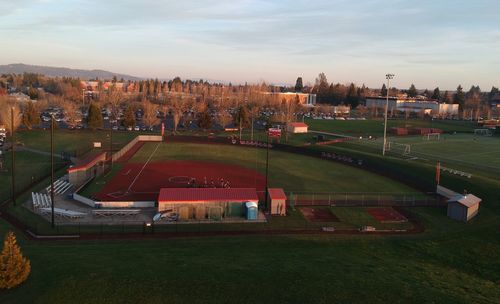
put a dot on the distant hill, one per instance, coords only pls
(19, 68)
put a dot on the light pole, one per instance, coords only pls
(52, 170)
(388, 77)
(13, 154)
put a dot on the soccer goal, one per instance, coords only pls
(483, 132)
(432, 136)
(396, 148)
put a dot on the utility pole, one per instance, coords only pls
(52, 169)
(13, 165)
(388, 77)
(267, 167)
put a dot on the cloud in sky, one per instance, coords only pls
(425, 42)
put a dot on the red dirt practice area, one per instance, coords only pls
(139, 182)
(319, 214)
(386, 215)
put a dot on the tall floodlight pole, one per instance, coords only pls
(267, 167)
(388, 77)
(52, 169)
(13, 164)
(111, 145)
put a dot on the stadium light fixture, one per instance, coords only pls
(388, 77)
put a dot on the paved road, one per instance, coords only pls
(331, 134)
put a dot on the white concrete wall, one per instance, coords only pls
(84, 200)
(129, 204)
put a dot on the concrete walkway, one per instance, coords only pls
(331, 134)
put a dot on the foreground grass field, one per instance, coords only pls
(278, 269)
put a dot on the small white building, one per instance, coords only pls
(463, 207)
(297, 127)
(414, 105)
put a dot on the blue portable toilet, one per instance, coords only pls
(251, 210)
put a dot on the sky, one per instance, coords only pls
(427, 42)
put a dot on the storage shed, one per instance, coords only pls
(297, 127)
(463, 207)
(277, 200)
(251, 211)
(206, 203)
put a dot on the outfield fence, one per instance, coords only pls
(353, 199)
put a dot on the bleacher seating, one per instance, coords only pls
(115, 212)
(40, 200)
(63, 213)
(60, 186)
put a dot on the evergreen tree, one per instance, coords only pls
(459, 96)
(436, 94)
(30, 116)
(205, 120)
(383, 91)
(298, 85)
(242, 116)
(352, 96)
(412, 91)
(14, 268)
(446, 97)
(129, 119)
(94, 118)
(321, 88)
(494, 91)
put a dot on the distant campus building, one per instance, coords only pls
(304, 99)
(414, 105)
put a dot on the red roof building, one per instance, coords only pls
(207, 195)
(297, 127)
(277, 198)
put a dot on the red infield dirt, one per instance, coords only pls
(319, 214)
(130, 184)
(387, 215)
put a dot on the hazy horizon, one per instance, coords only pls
(426, 43)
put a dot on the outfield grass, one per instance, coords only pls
(286, 170)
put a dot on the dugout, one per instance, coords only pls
(277, 199)
(90, 167)
(463, 207)
(206, 203)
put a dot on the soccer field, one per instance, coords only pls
(464, 152)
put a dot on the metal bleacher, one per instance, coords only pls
(40, 200)
(60, 186)
(63, 213)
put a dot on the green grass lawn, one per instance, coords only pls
(375, 127)
(290, 171)
(29, 167)
(75, 141)
(464, 152)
